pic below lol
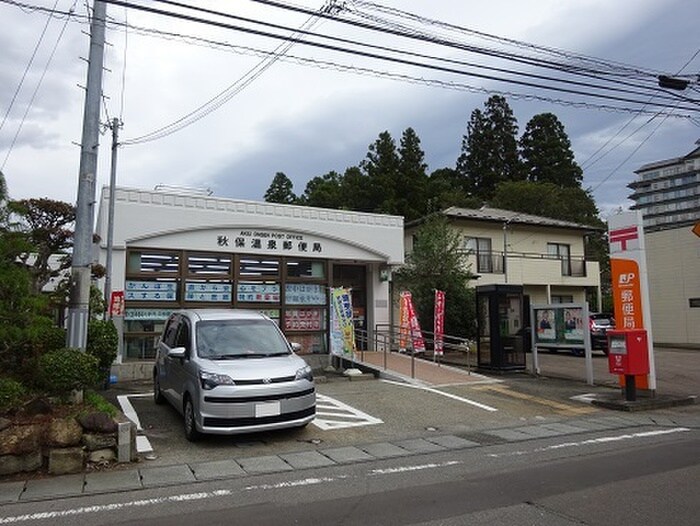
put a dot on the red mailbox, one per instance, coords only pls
(628, 351)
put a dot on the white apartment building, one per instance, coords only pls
(545, 256)
(668, 195)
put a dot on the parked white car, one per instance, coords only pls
(231, 371)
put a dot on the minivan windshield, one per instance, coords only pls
(232, 339)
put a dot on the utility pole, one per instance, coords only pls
(110, 221)
(79, 302)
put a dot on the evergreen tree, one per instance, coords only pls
(444, 189)
(548, 200)
(280, 190)
(412, 184)
(356, 191)
(546, 153)
(381, 167)
(489, 149)
(324, 191)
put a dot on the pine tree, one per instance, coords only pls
(546, 152)
(280, 190)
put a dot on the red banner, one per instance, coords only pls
(439, 324)
(414, 326)
(116, 303)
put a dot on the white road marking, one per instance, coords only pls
(408, 469)
(204, 495)
(442, 393)
(143, 445)
(592, 441)
(337, 415)
(586, 398)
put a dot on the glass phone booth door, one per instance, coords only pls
(502, 331)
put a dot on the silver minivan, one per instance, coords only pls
(231, 371)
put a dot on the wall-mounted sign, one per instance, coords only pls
(147, 314)
(303, 320)
(271, 241)
(304, 294)
(150, 290)
(210, 292)
(258, 292)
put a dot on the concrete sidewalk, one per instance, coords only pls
(131, 477)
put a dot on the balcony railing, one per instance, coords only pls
(492, 262)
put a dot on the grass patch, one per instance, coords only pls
(99, 403)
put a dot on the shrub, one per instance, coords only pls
(11, 394)
(102, 343)
(65, 370)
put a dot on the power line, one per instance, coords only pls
(36, 90)
(366, 54)
(29, 65)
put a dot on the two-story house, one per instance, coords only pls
(546, 256)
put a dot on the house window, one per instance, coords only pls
(562, 252)
(481, 247)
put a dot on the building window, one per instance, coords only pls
(481, 248)
(252, 267)
(562, 252)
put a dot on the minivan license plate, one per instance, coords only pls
(267, 409)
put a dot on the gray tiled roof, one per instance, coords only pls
(486, 213)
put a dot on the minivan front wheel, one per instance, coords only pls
(158, 397)
(191, 432)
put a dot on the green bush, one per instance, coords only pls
(66, 370)
(102, 343)
(11, 394)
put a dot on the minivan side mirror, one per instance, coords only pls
(296, 346)
(177, 352)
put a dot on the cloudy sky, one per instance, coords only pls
(303, 119)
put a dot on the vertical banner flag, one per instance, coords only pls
(116, 303)
(404, 328)
(342, 327)
(629, 281)
(414, 326)
(439, 324)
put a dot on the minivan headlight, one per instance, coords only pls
(211, 380)
(305, 373)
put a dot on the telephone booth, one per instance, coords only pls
(502, 327)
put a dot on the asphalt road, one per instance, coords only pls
(645, 476)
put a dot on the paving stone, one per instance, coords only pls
(384, 450)
(307, 459)
(11, 491)
(452, 442)
(217, 469)
(165, 475)
(51, 488)
(538, 431)
(112, 481)
(419, 445)
(589, 425)
(266, 464)
(509, 434)
(564, 429)
(343, 455)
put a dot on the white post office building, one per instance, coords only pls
(175, 249)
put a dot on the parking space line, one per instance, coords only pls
(442, 393)
(558, 406)
(339, 415)
(143, 445)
